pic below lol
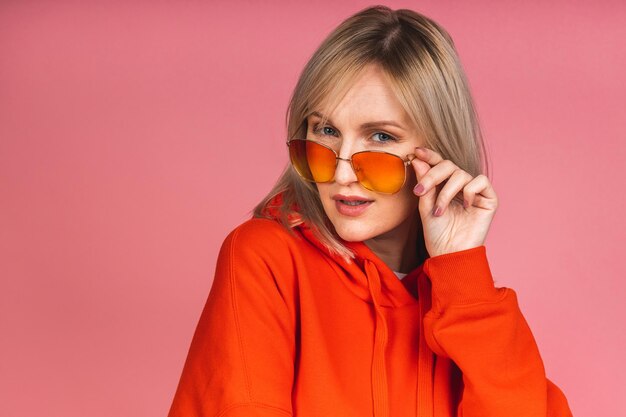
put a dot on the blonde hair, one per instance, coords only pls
(420, 60)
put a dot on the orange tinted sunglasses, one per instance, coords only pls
(377, 171)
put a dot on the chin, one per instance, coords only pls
(354, 231)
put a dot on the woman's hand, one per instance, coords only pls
(450, 226)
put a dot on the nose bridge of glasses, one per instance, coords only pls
(346, 152)
(345, 171)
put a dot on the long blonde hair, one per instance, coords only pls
(420, 60)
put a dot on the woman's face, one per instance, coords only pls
(369, 117)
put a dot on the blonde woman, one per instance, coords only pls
(361, 286)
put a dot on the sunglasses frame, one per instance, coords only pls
(405, 162)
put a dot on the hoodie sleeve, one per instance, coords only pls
(241, 358)
(481, 328)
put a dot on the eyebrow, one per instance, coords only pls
(364, 125)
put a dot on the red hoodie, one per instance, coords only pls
(289, 329)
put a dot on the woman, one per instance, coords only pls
(361, 285)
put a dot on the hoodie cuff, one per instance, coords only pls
(461, 277)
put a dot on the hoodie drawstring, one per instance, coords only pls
(425, 361)
(425, 357)
(380, 393)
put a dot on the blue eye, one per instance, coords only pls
(324, 130)
(328, 131)
(383, 137)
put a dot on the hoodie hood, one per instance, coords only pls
(370, 279)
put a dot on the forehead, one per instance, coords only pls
(368, 96)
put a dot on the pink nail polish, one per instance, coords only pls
(419, 188)
(437, 211)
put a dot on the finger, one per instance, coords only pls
(428, 155)
(480, 193)
(423, 160)
(452, 187)
(420, 168)
(426, 199)
(435, 176)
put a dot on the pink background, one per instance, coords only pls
(135, 135)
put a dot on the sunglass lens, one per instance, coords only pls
(378, 171)
(312, 161)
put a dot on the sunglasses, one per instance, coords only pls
(377, 171)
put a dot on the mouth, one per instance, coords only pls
(353, 203)
(351, 206)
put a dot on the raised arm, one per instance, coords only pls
(481, 328)
(241, 359)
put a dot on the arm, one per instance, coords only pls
(481, 328)
(241, 359)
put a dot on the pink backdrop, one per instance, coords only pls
(135, 135)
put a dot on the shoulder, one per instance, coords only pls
(259, 256)
(260, 232)
(258, 226)
(260, 238)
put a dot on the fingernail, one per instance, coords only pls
(419, 189)
(465, 204)
(437, 211)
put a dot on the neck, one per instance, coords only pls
(398, 248)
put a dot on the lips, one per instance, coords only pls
(342, 197)
(350, 210)
(352, 203)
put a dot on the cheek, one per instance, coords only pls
(406, 202)
(391, 209)
(324, 192)
(322, 189)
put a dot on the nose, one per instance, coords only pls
(344, 174)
